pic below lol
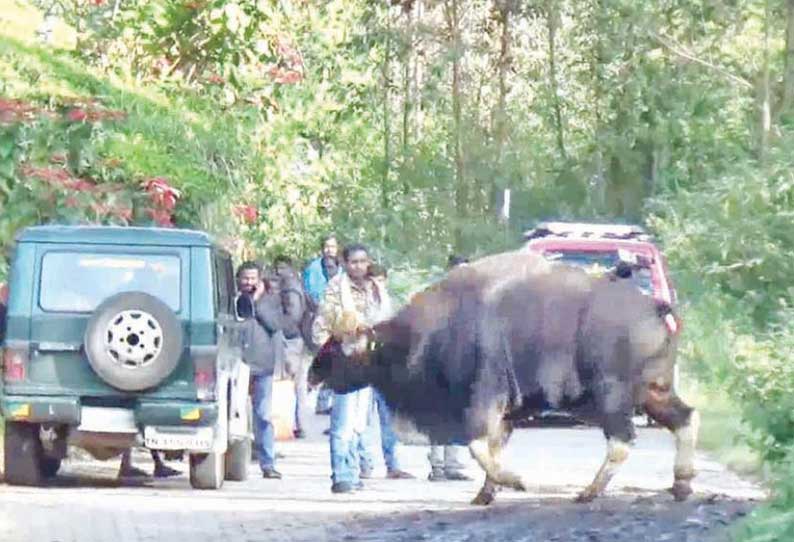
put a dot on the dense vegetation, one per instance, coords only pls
(404, 123)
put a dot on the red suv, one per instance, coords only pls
(604, 247)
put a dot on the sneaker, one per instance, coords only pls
(437, 475)
(397, 474)
(271, 473)
(457, 476)
(299, 433)
(358, 486)
(365, 474)
(327, 432)
(164, 471)
(342, 487)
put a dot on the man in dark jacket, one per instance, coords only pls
(296, 354)
(260, 308)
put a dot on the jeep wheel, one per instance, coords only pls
(207, 470)
(237, 458)
(23, 454)
(133, 341)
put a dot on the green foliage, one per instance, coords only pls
(281, 120)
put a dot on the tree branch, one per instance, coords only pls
(679, 51)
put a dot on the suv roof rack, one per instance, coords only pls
(587, 231)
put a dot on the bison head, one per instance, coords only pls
(344, 373)
(341, 372)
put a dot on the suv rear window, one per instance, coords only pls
(603, 260)
(79, 281)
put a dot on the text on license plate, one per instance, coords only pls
(159, 440)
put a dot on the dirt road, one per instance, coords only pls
(87, 504)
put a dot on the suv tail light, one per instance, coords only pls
(204, 372)
(15, 364)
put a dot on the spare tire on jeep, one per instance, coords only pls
(133, 341)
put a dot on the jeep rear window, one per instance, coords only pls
(79, 281)
(601, 261)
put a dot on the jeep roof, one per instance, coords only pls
(114, 235)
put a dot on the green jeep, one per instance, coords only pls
(121, 337)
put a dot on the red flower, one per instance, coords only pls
(247, 213)
(162, 194)
(48, 174)
(71, 202)
(161, 217)
(77, 115)
(285, 76)
(16, 111)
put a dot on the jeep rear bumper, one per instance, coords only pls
(68, 411)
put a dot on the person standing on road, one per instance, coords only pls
(315, 279)
(380, 412)
(261, 310)
(352, 304)
(445, 461)
(296, 354)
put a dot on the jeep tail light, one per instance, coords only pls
(15, 363)
(204, 373)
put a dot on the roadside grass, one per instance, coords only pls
(723, 433)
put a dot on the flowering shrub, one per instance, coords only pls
(52, 172)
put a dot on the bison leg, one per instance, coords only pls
(615, 406)
(486, 452)
(683, 421)
(617, 453)
(487, 493)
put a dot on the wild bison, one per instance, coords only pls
(511, 335)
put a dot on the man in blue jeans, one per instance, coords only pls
(352, 304)
(261, 311)
(388, 442)
(315, 279)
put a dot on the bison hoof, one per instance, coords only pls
(585, 496)
(681, 490)
(484, 498)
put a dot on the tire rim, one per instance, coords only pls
(133, 339)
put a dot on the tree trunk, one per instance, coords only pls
(418, 72)
(452, 13)
(407, 82)
(765, 106)
(504, 10)
(788, 78)
(386, 112)
(408, 100)
(553, 22)
(598, 193)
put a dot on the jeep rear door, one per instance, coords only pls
(69, 282)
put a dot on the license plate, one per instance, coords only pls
(158, 439)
